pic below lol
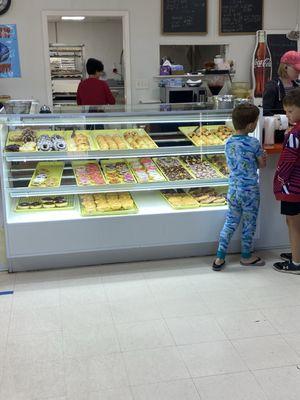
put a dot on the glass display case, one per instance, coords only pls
(95, 187)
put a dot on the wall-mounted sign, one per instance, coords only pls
(9, 52)
(240, 17)
(184, 17)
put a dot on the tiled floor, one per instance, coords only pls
(165, 330)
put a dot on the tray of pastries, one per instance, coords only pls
(123, 139)
(110, 139)
(117, 171)
(179, 199)
(47, 203)
(200, 168)
(138, 139)
(210, 197)
(88, 173)
(207, 135)
(30, 140)
(219, 162)
(80, 141)
(172, 168)
(145, 170)
(107, 204)
(47, 174)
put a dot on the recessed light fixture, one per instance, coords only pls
(72, 18)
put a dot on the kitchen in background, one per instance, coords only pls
(72, 42)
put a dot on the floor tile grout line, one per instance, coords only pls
(261, 386)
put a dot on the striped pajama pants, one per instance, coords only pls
(243, 206)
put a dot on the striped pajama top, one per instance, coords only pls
(287, 176)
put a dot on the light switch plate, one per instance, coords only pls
(142, 84)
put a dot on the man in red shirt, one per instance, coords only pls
(93, 91)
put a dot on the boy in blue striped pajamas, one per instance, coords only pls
(244, 156)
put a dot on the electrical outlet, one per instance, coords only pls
(142, 84)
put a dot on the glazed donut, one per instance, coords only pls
(59, 145)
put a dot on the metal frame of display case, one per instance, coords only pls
(65, 238)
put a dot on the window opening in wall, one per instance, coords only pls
(192, 57)
(72, 42)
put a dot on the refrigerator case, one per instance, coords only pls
(60, 235)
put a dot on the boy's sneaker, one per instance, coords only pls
(288, 267)
(286, 256)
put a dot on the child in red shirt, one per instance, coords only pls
(287, 182)
(93, 91)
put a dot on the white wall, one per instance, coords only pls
(145, 37)
(102, 40)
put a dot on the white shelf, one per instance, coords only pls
(92, 155)
(126, 187)
(148, 204)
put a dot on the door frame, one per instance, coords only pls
(96, 13)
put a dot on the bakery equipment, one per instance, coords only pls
(185, 94)
(67, 66)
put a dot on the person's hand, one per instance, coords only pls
(265, 156)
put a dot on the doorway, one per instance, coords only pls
(70, 38)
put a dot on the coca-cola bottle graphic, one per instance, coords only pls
(262, 65)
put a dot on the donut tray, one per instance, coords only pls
(220, 192)
(84, 177)
(36, 199)
(122, 136)
(11, 141)
(86, 213)
(166, 194)
(53, 170)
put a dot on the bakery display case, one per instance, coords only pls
(94, 188)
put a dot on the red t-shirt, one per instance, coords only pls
(94, 92)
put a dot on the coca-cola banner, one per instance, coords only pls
(9, 52)
(262, 64)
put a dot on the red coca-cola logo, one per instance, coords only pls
(266, 63)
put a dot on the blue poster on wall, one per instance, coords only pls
(9, 52)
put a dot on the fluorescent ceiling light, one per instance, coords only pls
(71, 18)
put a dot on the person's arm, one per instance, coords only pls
(78, 96)
(108, 95)
(262, 161)
(269, 98)
(261, 156)
(289, 156)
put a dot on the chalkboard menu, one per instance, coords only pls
(278, 45)
(240, 16)
(184, 17)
